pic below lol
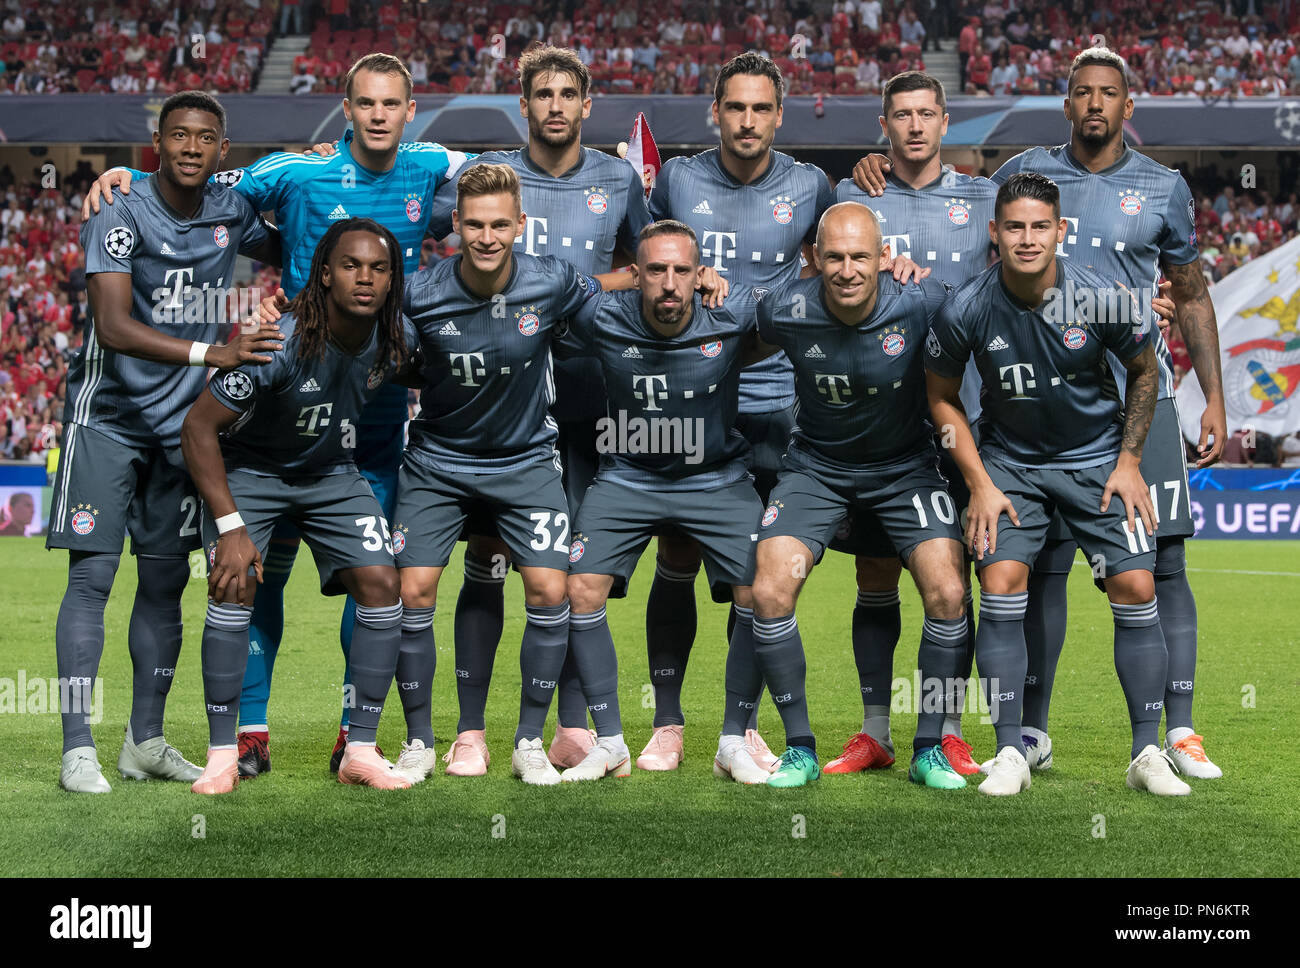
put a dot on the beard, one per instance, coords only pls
(668, 315)
(748, 154)
(1097, 137)
(537, 129)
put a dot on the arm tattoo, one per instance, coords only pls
(1139, 400)
(1194, 313)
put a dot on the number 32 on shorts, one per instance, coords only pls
(543, 534)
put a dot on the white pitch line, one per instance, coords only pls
(1218, 571)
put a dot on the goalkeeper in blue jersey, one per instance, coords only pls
(373, 175)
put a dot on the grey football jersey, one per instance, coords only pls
(943, 226)
(1050, 398)
(487, 363)
(582, 216)
(298, 417)
(672, 400)
(1122, 221)
(751, 234)
(861, 388)
(180, 270)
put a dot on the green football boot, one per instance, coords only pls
(931, 768)
(798, 767)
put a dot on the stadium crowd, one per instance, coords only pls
(1182, 48)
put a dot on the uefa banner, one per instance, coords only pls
(1238, 503)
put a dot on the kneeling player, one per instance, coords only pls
(671, 366)
(288, 435)
(861, 443)
(1052, 436)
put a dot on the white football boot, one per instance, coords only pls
(1008, 774)
(529, 762)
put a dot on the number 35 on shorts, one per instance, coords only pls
(371, 539)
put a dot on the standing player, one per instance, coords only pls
(1129, 218)
(939, 218)
(151, 263)
(374, 175)
(484, 438)
(1053, 436)
(585, 207)
(755, 212)
(672, 368)
(288, 432)
(861, 442)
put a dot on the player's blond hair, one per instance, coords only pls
(378, 64)
(488, 180)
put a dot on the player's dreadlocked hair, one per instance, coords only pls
(310, 305)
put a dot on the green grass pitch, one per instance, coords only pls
(298, 820)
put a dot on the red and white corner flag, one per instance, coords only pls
(642, 153)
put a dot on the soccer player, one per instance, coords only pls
(861, 441)
(155, 263)
(373, 175)
(585, 207)
(1130, 218)
(755, 212)
(670, 458)
(288, 433)
(483, 437)
(1053, 436)
(938, 217)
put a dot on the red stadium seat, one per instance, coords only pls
(733, 35)
(710, 51)
(731, 50)
(823, 79)
(85, 80)
(459, 82)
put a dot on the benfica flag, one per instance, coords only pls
(1258, 308)
(642, 153)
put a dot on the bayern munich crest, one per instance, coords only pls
(893, 344)
(1074, 338)
(529, 324)
(413, 209)
(958, 212)
(83, 519)
(1130, 203)
(769, 516)
(221, 236)
(711, 349)
(399, 540)
(374, 377)
(597, 201)
(576, 551)
(212, 555)
(783, 209)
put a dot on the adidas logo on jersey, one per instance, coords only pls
(997, 343)
(815, 353)
(449, 330)
(338, 213)
(632, 353)
(166, 250)
(311, 386)
(702, 208)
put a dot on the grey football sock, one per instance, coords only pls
(744, 680)
(1142, 663)
(779, 651)
(224, 656)
(155, 639)
(417, 660)
(955, 698)
(376, 642)
(670, 626)
(1000, 651)
(570, 700)
(1177, 608)
(591, 649)
(79, 640)
(541, 657)
(877, 625)
(1044, 638)
(480, 612)
(939, 658)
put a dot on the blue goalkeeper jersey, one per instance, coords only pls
(308, 193)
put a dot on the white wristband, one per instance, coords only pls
(229, 522)
(197, 352)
